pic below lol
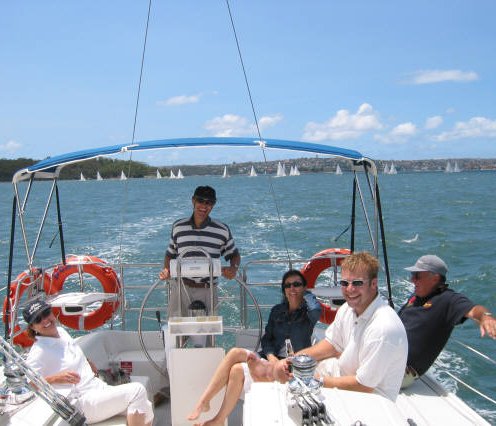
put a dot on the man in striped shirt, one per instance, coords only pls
(191, 237)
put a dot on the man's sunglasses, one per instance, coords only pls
(205, 201)
(42, 316)
(293, 284)
(354, 283)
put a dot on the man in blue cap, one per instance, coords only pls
(432, 312)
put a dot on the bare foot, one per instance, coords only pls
(211, 422)
(202, 407)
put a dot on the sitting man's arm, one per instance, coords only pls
(321, 350)
(487, 322)
(345, 383)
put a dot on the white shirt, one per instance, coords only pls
(373, 346)
(51, 355)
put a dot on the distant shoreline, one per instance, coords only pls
(111, 168)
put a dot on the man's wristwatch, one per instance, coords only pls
(487, 314)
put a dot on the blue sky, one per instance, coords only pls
(392, 79)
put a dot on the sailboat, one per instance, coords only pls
(159, 176)
(456, 169)
(98, 176)
(281, 170)
(294, 171)
(172, 175)
(386, 169)
(123, 175)
(180, 174)
(392, 170)
(253, 173)
(338, 170)
(82, 178)
(449, 168)
(225, 174)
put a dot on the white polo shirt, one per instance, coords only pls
(373, 347)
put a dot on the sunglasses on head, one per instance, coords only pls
(42, 316)
(205, 201)
(354, 283)
(293, 284)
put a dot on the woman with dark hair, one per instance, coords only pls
(294, 318)
(58, 358)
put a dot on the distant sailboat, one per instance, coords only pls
(123, 175)
(281, 170)
(82, 178)
(225, 175)
(180, 174)
(253, 173)
(294, 171)
(172, 175)
(449, 168)
(456, 169)
(392, 170)
(98, 176)
(338, 170)
(159, 176)
(386, 169)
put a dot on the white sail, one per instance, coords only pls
(392, 170)
(456, 169)
(82, 177)
(449, 168)
(98, 176)
(123, 175)
(180, 174)
(253, 173)
(338, 170)
(172, 175)
(281, 170)
(159, 176)
(296, 172)
(386, 169)
(225, 175)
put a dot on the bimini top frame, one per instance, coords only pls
(50, 167)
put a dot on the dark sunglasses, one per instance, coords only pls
(354, 283)
(42, 316)
(293, 284)
(415, 275)
(205, 201)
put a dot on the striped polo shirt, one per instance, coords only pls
(213, 236)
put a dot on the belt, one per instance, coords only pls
(194, 284)
(412, 372)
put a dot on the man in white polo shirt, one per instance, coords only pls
(365, 348)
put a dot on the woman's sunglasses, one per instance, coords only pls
(293, 284)
(42, 316)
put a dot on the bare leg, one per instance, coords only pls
(136, 419)
(219, 380)
(233, 392)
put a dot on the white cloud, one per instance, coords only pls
(230, 125)
(344, 125)
(398, 134)
(10, 147)
(476, 127)
(433, 122)
(180, 100)
(439, 76)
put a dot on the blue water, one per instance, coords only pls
(453, 215)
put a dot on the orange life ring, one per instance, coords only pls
(108, 279)
(311, 270)
(24, 279)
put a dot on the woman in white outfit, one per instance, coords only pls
(57, 357)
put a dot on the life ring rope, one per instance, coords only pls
(332, 257)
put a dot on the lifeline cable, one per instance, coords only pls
(258, 132)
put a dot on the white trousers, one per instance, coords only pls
(105, 401)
